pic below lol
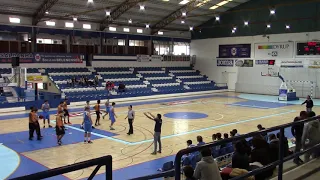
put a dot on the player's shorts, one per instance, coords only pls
(113, 119)
(46, 115)
(108, 109)
(60, 131)
(98, 114)
(66, 112)
(87, 127)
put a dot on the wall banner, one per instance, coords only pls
(35, 79)
(274, 50)
(244, 63)
(235, 51)
(42, 57)
(291, 64)
(265, 62)
(314, 63)
(143, 58)
(225, 62)
(156, 58)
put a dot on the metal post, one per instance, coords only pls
(177, 164)
(281, 150)
(109, 168)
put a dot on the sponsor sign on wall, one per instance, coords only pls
(156, 58)
(274, 50)
(34, 79)
(42, 57)
(235, 51)
(291, 64)
(225, 62)
(244, 63)
(265, 62)
(143, 58)
(314, 63)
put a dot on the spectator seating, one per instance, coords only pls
(138, 81)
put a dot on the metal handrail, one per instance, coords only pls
(179, 155)
(106, 160)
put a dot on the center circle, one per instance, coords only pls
(185, 115)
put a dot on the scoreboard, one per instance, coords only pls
(308, 48)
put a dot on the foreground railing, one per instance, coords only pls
(99, 162)
(177, 171)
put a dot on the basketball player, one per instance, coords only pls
(309, 104)
(34, 124)
(130, 116)
(60, 107)
(157, 131)
(86, 106)
(112, 115)
(59, 127)
(45, 113)
(107, 108)
(66, 112)
(97, 109)
(87, 125)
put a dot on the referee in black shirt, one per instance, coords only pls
(309, 104)
(157, 131)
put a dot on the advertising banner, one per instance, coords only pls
(274, 50)
(35, 79)
(314, 63)
(143, 58)
(291, 64)
(225, 62)
(244, 63)
(42, 57)
(264, 62)
(156, 58)
(235, 51)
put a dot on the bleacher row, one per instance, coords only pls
(139, 81)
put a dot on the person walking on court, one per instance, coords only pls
(112, 115)
(157, 131)
(309, 104)
(87, 121)
(107, 104)
(297, 131)
(34, 124)
(97, 109)
(59, 127)
(45, 113)
(66, 112)
(130, 117)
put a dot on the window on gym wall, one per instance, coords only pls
(49, 41)
(136, 43)
(181, 48)
(121, 42)
(161, 47)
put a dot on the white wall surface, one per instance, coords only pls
(250, 79)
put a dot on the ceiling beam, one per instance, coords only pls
(173, 16)
(118, 11)
(45, 6)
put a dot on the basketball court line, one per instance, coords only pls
(251, 106)
(188, 132)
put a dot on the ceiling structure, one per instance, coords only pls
(164, 15)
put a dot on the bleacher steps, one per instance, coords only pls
(299, 172)
(186, 87)
(154, 89)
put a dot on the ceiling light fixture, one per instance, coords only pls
(268, 25)
(217, 18)
(112, 29)
(69, 25)
(129, 21)
(235, 28)
(14, 20)
(287, 27)
(50, 23)
(184, 2)
(47, 12)
(160, 32)
(246, 23)
(142, 7)
(191, 28)
(86, 26)
(182, 22)
(233, 31)
(272, 11)
(108, 13)
(75, 19)
(126, 29)
(184, 14)
(147, 26)
(139, 31)
(90, 1)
